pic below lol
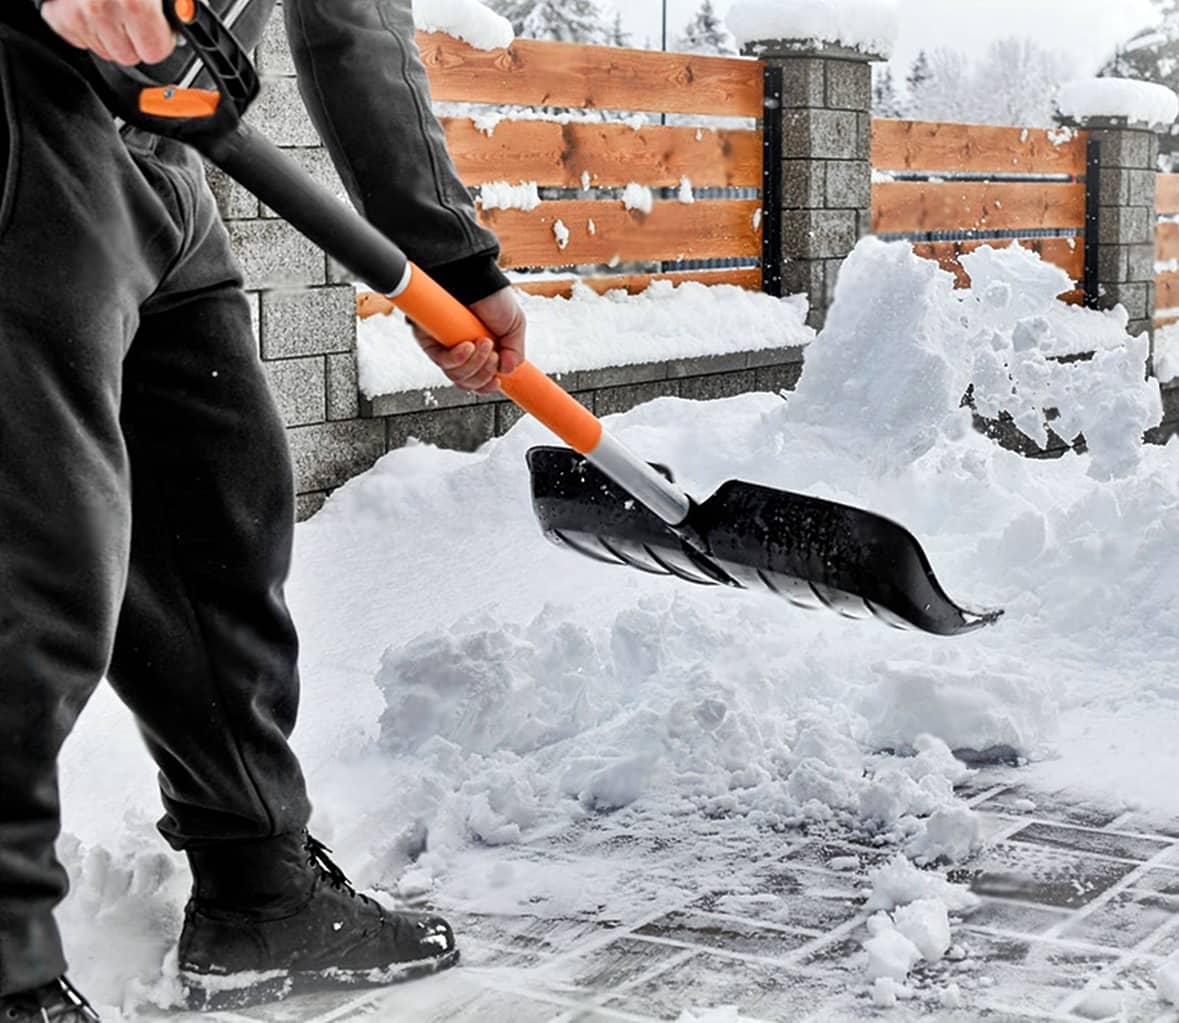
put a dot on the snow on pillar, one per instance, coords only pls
(1122, 118)
(826, 168)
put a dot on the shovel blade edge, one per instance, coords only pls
(814, 553)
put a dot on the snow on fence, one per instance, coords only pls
(951, 188)
(1167, 250)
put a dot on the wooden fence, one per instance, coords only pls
(1167, 250)
(956, 187)
(947, 188)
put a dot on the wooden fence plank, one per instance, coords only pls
(1167, 243)
(974, 148)
(1057, 251)
(609, 154)
(606, 232)
(1167, 290)
(901, 207)
(548, 74)
(1167, 194)
(749, 279)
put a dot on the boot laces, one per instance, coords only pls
(329, 870)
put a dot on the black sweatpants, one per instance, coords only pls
(146, 504)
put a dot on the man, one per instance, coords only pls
(146, 492)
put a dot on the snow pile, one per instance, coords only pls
(998, 339)
(1143, 103)
(1166, 353)
(468, 20)
(867, 25)
(591, 331)
(502, 195)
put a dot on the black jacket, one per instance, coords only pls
(366, 90)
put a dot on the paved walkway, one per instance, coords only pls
(1079, 906)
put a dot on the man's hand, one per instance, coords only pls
(473, 366)
(121, 31)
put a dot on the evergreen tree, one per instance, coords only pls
(919, 73)
(568, 21)
(885, 101)
(706, 33)
(619, 37)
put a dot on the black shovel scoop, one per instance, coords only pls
(599, 498)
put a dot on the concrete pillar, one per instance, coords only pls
(1121, 220)
(825, 124)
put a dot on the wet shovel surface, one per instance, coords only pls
(813, 552)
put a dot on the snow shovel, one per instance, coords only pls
(599, 498)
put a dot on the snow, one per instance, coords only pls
(502, 195)
(561, 233)
(468, 20)
(467, 686)
(1167, 980)
(1166, 353)
(638, 197)
(868, 25)
(1143, 103)
(685, 194)
(591, 331)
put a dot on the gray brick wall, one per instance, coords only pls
(826, 153)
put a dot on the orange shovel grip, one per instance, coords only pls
(442, 315)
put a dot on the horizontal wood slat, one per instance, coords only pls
(974, 148)
(1167, 290)
(369, 303)
(1057, 251)
(549, 74)
(1167, 243)
(917, 206)
(1167, 194)
(557, 155)
(749, 279)
(709, 229)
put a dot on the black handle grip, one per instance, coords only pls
(162, 107)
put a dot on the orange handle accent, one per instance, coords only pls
(171, 101)
(439, 313)
(185, 10)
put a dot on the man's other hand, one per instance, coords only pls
(122, 31)
(473, 366)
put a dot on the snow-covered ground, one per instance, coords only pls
(467, 685)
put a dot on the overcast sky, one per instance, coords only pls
(1087, 30)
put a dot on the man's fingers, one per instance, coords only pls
(150, 33)
(114, 40)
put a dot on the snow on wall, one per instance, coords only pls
(468, 20)
(868, 25)
(1140, 102)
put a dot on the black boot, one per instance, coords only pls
(273, 918)
(55, 1002)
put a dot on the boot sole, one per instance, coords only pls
(210, 992)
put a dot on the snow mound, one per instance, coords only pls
(868, 25)
(1143, 103)
(1166, 354)
(468, 20)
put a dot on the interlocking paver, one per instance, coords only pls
(1104, 843)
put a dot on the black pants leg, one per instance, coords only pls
(145, 494)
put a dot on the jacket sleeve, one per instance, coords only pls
(365, 88)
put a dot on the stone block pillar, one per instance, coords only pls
(822, 121)
(1121, 221)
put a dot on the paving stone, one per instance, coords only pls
(761, 991)
(1129, 994)
(1050, 807)
(1017, 917)
(706, 930)
(617, 964)
(1124, 921)
(1104, 843)
(1160, 881)
(1033, 974)
(1041, 874)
